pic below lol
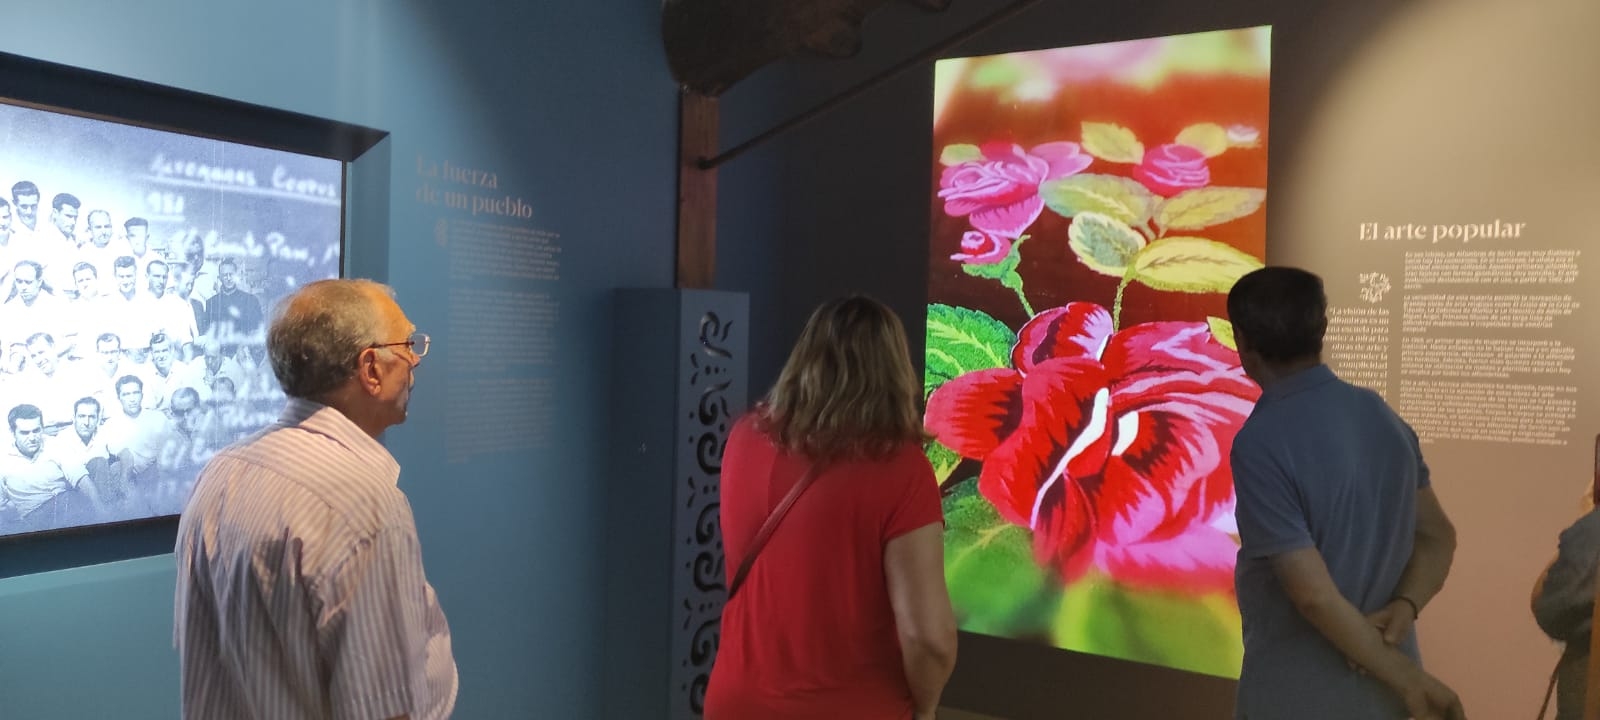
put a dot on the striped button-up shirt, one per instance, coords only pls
(300, 587)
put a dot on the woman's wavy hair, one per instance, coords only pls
(848, 390)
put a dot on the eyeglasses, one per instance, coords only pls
(418, 343)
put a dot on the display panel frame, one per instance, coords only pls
(43, 86)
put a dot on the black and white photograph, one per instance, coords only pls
(138, 268)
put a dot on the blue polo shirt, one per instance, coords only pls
(1320, 463)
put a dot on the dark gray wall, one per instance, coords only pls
(841, 205)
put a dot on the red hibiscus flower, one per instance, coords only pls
(1111, 447)
(1000, 192)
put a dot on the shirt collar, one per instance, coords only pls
(12, 452)
(324, 420)
(1304, 380)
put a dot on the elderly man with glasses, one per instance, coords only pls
(300, 591)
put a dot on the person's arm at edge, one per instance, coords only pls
(913, 566)
(1305, 579)
(1432, 552)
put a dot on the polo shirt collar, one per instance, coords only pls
(1306, 379)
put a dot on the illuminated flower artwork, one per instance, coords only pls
(1081, 379)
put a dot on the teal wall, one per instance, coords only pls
(571, 105)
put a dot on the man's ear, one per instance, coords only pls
(367, 371)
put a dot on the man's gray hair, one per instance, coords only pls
(318, 332)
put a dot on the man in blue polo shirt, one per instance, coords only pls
(1343, 539)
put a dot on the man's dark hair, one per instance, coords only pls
(82, 266)
(129, 380)
(90, 401)
(25, 187)
(124, 261)
(64, 199)
(23, 412)
(134, 222)
(1281, 313)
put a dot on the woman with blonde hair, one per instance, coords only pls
(833, 534)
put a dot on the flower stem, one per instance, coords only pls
(1009, 276)
(1116, 305)
(1025, 306)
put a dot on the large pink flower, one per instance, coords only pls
(1000, 191)
(1111, 447)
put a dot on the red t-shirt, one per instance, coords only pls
(811, 634)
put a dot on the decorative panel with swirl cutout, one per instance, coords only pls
(712, 391)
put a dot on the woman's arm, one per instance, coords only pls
(1563, 597)
(913, 566)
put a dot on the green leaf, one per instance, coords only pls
(943, 459)
(991, 271)
(1191, 265)
(1207, 206)
(1209, 138)
(1222, 330)
(960, 153)
(1103, 243)
(1110, 195)
(961, 340)
(1199, 634)
(996, 586)
(1112, 143)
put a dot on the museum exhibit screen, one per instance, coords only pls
(1091, 207)
(137, 270)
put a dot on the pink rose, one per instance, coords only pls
(1170, 169)
(981, 248)
(1000, 192)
